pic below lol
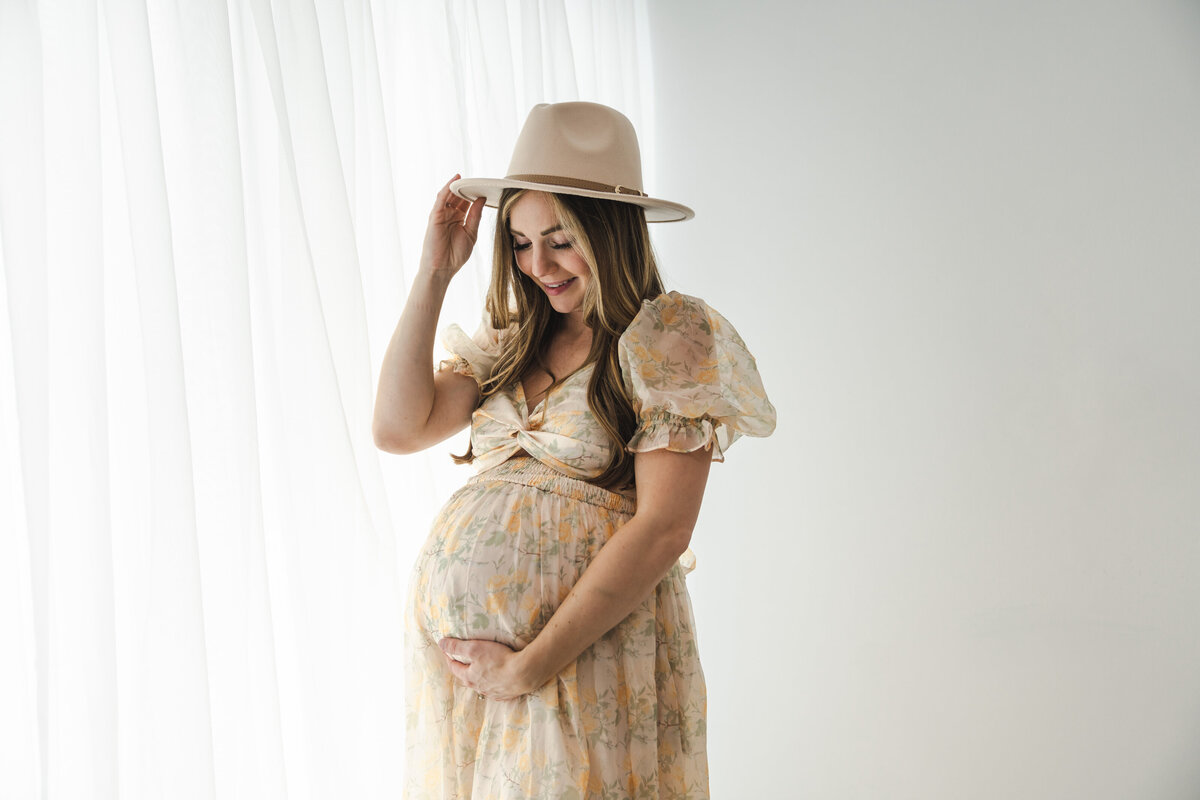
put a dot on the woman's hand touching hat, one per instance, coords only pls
(450, 236)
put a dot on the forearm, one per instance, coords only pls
(404, 397)
(622, 575)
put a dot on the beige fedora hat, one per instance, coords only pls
(579, 148)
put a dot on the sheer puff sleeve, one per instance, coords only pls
(692, 380)
(474, 356)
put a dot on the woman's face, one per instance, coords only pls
(546, 254)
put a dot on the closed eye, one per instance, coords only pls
(519, 247)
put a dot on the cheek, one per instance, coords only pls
(580, 268)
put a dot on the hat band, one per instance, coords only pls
(577, 183)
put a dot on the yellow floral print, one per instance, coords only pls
(627, 719)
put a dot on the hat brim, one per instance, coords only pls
(656, 210)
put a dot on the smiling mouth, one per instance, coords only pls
(558, 285)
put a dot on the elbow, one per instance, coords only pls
(382, 442)
(387, 441)
(681, 539)
(394, 435)
(672, 537)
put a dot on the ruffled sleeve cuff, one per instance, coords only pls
(474, 356)
(458, 364)
(661, 429)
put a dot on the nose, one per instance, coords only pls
(543, 261)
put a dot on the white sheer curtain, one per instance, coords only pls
(209, 217)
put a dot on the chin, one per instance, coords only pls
(565, 305)
(564, 309)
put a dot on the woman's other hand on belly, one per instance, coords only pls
(492, 669)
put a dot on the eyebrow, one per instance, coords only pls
(545, 232)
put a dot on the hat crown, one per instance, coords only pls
(581, 141)
(576, 148)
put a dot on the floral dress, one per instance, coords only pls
(627, 718)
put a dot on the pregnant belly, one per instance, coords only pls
(499, 560)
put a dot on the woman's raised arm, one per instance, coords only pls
(414, 407)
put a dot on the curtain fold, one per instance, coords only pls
(209, 217)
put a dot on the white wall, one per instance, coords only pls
(963, 241)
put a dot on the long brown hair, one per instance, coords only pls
(614, 240)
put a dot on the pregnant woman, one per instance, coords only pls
(550, 645)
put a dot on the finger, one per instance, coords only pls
(462, 674)
(458, 672)
(443, 195)
(454, 649)
(458, 666)
(446, 190)
(474, 214)
(457, 208)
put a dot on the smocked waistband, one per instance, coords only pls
(528, 471)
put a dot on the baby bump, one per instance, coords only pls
(500, 558)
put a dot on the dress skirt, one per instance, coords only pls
(625, 720)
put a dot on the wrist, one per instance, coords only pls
(532, 668)
(434, 278)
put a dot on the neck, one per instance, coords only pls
(573, 325)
